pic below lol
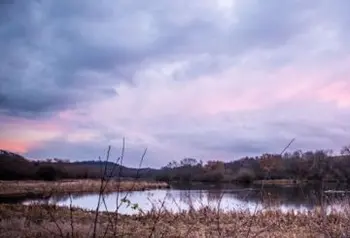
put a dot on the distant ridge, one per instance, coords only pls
(15, 167)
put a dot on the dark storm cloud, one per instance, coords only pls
(41, 62)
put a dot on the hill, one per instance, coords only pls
(16, 167)
(297, 166)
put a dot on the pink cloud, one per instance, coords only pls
(249, 91)
(22, 135)
(337, 92)
(48, 124)
(142, 111)
(17, 146)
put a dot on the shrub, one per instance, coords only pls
(213, 177)
(48, 173)
(163, 178)
(245, 175)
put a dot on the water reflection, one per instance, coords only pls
(223, 197)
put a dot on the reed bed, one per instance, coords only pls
(54, 221)
(43, 188)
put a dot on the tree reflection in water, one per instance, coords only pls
(227, 196)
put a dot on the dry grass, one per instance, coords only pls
(43, 188)
(51, 221)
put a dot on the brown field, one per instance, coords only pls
(43, 188)
(50, 221)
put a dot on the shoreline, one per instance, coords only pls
(281, 182)
(41, 189)
(36, 189)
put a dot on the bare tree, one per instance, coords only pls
(345, 150)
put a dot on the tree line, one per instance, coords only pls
(310, 165)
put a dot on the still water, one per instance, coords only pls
(223, 197)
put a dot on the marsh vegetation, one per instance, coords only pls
(52, 221)
(42, 189)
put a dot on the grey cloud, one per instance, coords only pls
(65, 150)
(311, 135)
(257, 132)
(271, 23)
(61, 37)
(234, 142)
(58, 55)
(235, 145)
(79, 151)
(38, 68)
(260, 25)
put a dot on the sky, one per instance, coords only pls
(209, 79)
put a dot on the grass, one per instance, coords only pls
(52, 221)
(29, 189)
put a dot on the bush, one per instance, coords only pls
(48, 173)
(245, 175)
(213, 177)
(163, 178)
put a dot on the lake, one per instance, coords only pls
(225, 197)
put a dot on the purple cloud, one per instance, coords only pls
(207, 79)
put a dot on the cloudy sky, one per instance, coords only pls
(211, 79)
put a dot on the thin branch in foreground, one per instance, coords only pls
(100, 194)
(289, 144)
(157, 218)
(55, 222)
(262, 187)
(130, 190)
(71, 214)
(121, 159)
